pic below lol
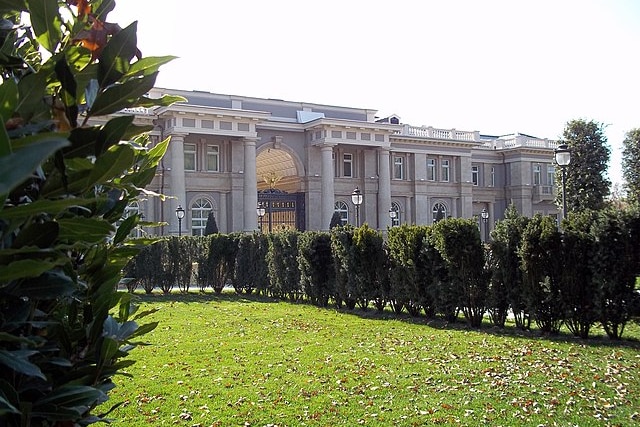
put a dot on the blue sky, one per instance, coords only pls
(494, 66)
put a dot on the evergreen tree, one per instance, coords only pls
(631, 164)
(586, 183)
(212, 226)
(336, 220)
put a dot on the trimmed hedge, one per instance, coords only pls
(532, 271)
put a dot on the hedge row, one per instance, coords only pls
(578, 276)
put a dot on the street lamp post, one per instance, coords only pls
(562, 157)
(393, 214)
(485, 217)
(260, 210)
(356, 199)
(179, 215)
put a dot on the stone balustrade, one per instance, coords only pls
(431, 132)
(505, 142)
(520, 141)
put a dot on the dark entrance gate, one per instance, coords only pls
(283, 211)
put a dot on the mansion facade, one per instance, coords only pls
(300, 162)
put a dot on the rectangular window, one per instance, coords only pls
(207, 124)
(189, 123)
(431, 169)
(493, 176)
(398, 167)
(226, 125)
(537, 174)
(551, 175)
(213, 158)
(475, 175)
(347, 163)
(189, 157)
(445, 170)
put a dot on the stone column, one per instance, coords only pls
(327, 190)
(384, 189)
(250, 186)
(223, 221)
(177, 182)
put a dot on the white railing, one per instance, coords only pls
(520, 141)
(431, 132)
(511, 141)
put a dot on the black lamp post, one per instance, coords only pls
(261, 211)
(356, 199)
(179, 215)
(485, 217)
(562, 157)
(393, 214)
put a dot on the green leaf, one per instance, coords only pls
(112, 133)
(11, 5)
(67, 81)
(70, 396)
(163, 101)
(90, 230)
(6, 407)
(17, 362)
(46, 22)
(39, 234)
(149, 65)
(18, 166)
(112, 164)
(108, 350)
(104, 7)
(27, 268)
(116, 56)
(31, 88)
(120, 96)
(83, 142)
(144, 329)
(134, 130)
(125, 228)
(48, 285)
(52, 207)
(8, 104)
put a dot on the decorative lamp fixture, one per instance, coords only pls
(562, 156)
(356, 199)
(180, 214)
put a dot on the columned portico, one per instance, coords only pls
(177, 181)
(250, 186)
(327, 190)
(384, 189)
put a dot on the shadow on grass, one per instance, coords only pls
(597, 337)
(207, 296)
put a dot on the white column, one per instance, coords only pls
(177, 182)
(327, 190)
(250, 186)
(384, 189)
(223, 221)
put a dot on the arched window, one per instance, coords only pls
(343, 209)
(439, 212)
(398, 219)
(200, 209)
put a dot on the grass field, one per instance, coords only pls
(250, 361)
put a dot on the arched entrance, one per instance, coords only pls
(279, 191)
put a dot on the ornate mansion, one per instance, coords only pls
(301, 162)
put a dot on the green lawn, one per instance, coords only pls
(249, 361)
